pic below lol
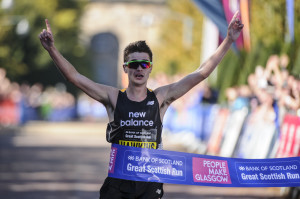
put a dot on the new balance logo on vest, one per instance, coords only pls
(150, 102)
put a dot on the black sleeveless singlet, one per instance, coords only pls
(136, 124)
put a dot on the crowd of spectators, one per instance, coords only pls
(271, 90)
(275, 89)
(20, 103)
(253, 112)
(196, 120)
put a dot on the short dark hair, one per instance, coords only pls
(138, 46)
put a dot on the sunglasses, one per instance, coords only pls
(136, 63)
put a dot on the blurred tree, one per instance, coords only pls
(268, 21)
(20, 51)
(269, 29)
(180, 39)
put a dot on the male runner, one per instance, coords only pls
(135, 113)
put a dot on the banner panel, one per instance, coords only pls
(150, 165)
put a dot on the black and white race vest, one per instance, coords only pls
(136, 124)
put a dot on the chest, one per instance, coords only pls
(145, 110)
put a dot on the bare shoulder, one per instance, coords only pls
(111, 102)
(112, 95)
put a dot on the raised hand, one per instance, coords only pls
(273, 62)
(46, 37)
(235, 27)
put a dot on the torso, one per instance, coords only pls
(136, 124)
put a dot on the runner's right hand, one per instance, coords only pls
(46, 37)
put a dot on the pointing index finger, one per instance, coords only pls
(235, 16)
(48, 26)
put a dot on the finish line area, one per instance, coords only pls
(67, 140)
(173, 167)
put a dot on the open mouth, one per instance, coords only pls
(139, 76)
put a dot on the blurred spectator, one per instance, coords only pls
(62, 104)
(89, 109)
(9, 100)
(238, 97)
(31, 101)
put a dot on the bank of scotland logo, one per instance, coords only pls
(131, 157)
(241, 168)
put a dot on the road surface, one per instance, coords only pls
(69, 161)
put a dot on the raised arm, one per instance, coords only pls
(102, 93)
(167, 94)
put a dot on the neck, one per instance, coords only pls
(136, 93)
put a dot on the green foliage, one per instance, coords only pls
(269, 29)
(227, 72)
(175, 54)
(296, 69)
(267, 21)
(269, 35)
(21, 54)
(268, 32)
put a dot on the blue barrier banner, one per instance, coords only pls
(150, 165)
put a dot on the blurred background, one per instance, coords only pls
(52, 136)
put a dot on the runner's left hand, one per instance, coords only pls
(235, 27)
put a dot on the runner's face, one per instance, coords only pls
(140, 75)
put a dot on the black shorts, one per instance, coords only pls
(114, 188)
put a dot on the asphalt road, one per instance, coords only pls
(69, 161)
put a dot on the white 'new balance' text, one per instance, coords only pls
(134, 122)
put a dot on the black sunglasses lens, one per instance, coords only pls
(135, 65)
